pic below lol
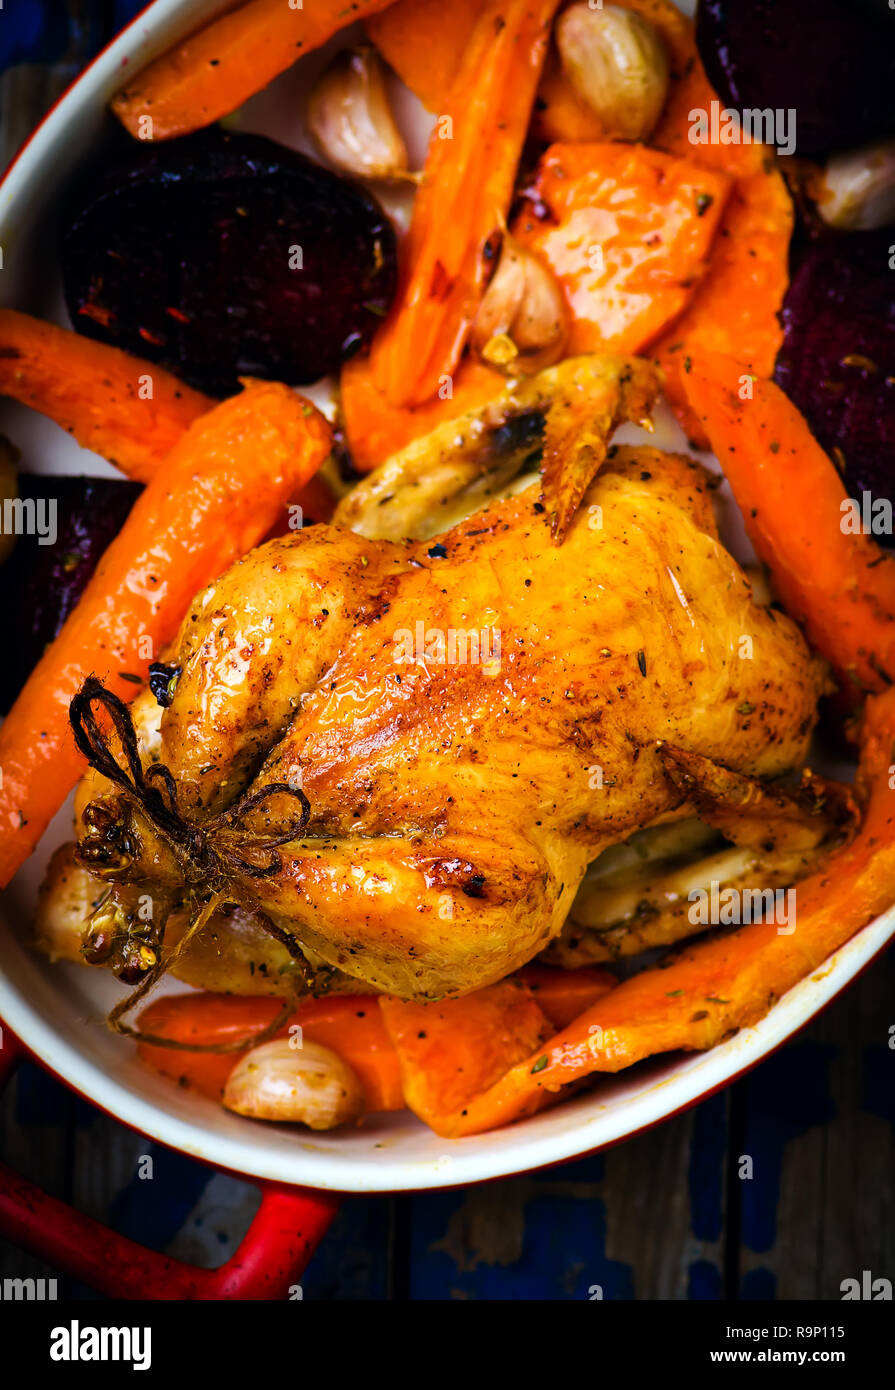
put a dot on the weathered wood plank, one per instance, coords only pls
(645, 1220)
(819, 1124)
(43, 47)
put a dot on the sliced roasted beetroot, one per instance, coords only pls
(837, 362)
(225, 255)
(832, 62)
(67, 523)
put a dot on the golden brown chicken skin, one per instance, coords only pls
(456, 803)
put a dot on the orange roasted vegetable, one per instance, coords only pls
(564, 994)
(715, 988)
(375, 429)
(221, 490)
(735, 307)
(840, 586)
(735, 310)
(352, 1025)
(627, 231)
(453, 1050)
(130, 411)
(424, 41)
(216, 69)
(317, 502)
(467, 186)
(349, 1024)
(99, 394)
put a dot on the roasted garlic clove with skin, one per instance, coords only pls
(522, 323)
(616, 61)
(350, 118)
(308, 1085)
(856, 191)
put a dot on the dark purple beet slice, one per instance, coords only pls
(832, 61)
(40, 584)
(225, 255)
(837, 362)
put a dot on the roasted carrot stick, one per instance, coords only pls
(221, 490)
(839, 585)
(353, 1026)
(735, 310)
(349, 1024)
(724, 984)
(466, 190)
(130, 411)
(203, 1020)
(376, 429)
(216, 69)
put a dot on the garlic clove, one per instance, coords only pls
(350, 118)
(617, 63)
(67, 897)
(500, 350)
(856, 191)
(522, 322)
(309, 1085)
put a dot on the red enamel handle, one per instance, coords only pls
(268, 1264)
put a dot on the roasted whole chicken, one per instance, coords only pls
(398, 758)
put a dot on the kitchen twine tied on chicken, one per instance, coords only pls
(207, 853)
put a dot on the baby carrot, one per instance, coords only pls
(839, 585)
(220, 492)
(130, 411)
(216, 69)
(466, 191)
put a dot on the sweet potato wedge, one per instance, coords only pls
(627, 231)
(564, 994)
(424, 41)
(453, 1050)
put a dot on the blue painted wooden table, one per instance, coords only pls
(781, 1187)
